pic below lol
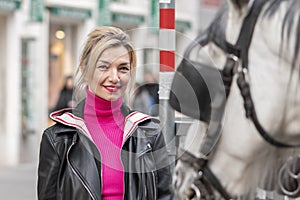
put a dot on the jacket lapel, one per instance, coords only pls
(132, 121)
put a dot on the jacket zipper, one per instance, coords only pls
(100, 160)
(76, 174)
(153, 175)
(154, 184)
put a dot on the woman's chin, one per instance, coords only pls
(113, 97)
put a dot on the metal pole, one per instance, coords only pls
(167, 66)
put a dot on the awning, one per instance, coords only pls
(125, 18)
(10, 5)
(70, 12)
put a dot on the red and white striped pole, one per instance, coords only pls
(167, 66)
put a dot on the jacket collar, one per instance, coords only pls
(66, 117)
(131, 121)
(75, 118)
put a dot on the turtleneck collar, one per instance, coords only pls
(100, 107)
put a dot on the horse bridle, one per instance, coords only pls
(235, 54)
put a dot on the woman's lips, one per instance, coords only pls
(112, 88)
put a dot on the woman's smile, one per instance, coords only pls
(112, 88)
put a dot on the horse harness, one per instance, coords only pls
(237, 55)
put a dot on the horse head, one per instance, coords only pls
(251, 150)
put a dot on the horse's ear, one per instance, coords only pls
(238, 4)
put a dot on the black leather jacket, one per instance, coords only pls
(70, 164)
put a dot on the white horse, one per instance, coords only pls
(244, 163)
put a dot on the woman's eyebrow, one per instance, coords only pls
(104, 61)
(108, 63)
(125, 63)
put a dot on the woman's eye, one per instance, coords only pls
(124, 68)
(102, 67)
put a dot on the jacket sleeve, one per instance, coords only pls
(48, 169)
(164, 176)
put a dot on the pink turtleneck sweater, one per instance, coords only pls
(105, 123)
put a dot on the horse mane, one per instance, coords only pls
(292, 14)
(216, 29)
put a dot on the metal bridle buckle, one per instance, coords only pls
(294, 176)
(236, 61)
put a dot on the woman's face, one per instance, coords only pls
(112, 74)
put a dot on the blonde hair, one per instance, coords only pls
(98, 41)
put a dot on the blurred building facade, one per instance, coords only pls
(41, 41)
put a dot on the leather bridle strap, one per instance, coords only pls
(250, 113)
(199, 164)
(214, 181)
(243, 43)
(247, 30)
(196, 163)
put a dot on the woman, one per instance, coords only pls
(100, 149)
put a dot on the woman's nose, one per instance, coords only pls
(114, 76)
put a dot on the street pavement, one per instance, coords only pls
(19, 182)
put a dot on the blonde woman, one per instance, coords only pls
(101, 149)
